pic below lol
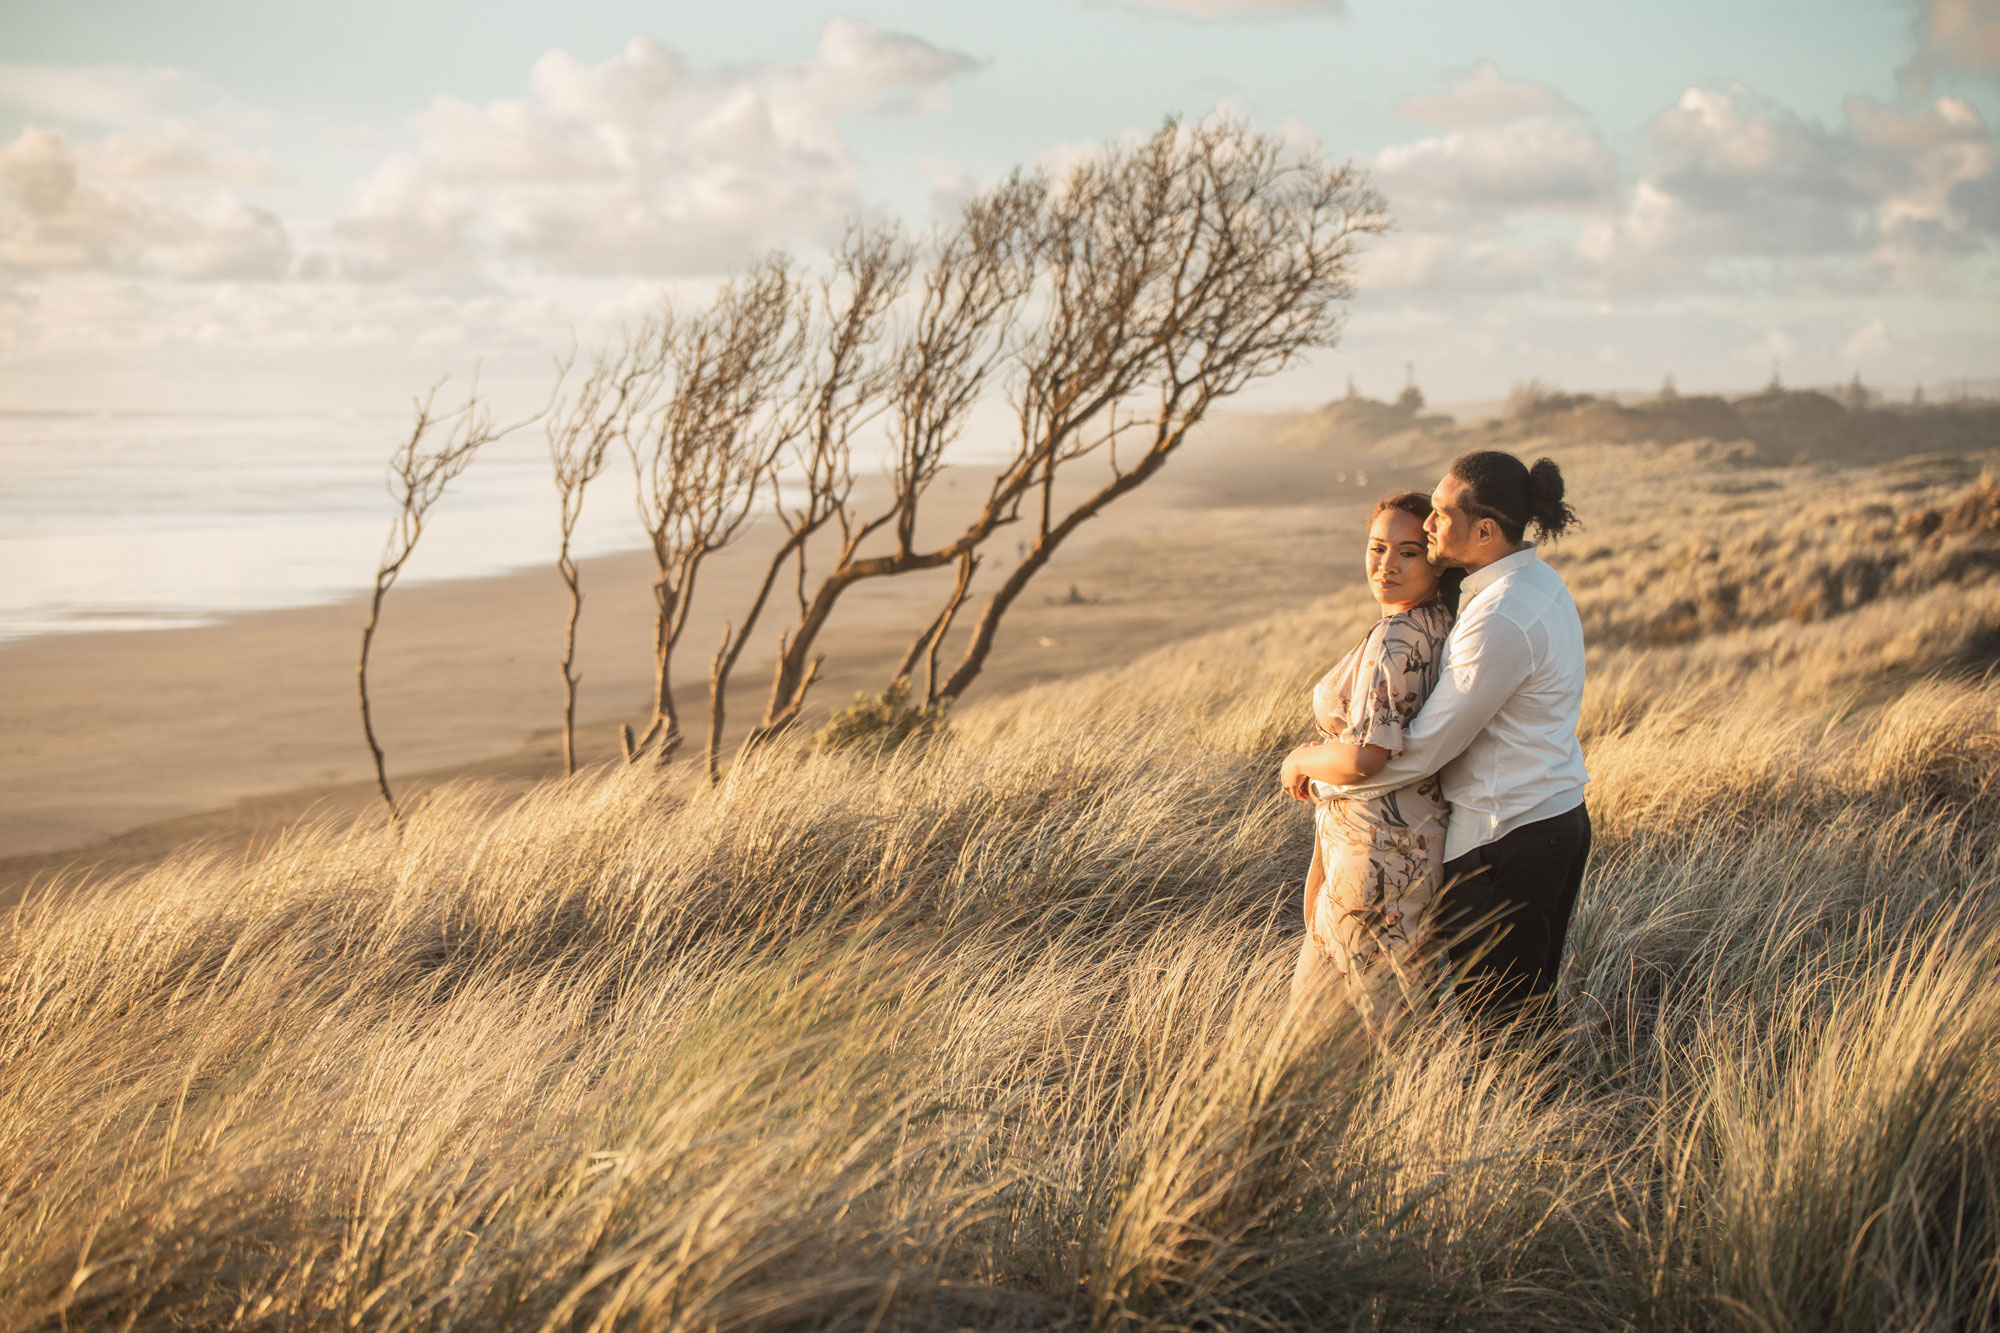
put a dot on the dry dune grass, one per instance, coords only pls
(1761, 546)
(990, 1033)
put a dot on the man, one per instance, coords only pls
(1500, 731)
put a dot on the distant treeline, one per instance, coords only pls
(1784, 425)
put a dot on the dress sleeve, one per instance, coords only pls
(1390, 683)
(1326, 700)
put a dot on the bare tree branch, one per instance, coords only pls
(711, 448)
(1179, 271)
(978, 273)
(440, 446)
(930, 641)
(843, 386)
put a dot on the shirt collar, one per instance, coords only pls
(1481, 579)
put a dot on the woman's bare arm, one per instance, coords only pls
(1330, 761)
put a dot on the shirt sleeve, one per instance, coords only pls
(1486, 665)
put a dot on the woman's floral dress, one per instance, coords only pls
(1378, 860)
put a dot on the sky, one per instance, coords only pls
(262, 205)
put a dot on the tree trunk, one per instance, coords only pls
(981, 644)
(792, 674)
(569, 575)
(367, 717)
(663, 730)
(925, 646)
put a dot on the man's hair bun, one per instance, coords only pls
(1551, 516)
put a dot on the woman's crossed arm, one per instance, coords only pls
(1329, 761)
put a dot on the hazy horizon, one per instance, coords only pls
(1934, 391)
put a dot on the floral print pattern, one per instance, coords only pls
(1378, 860)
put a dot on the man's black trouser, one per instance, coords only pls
(1504, 918)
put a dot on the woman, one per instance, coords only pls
(1377, 861)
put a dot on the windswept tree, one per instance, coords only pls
(844, 382)
(710, 448)
(581, 428)
(440, 446)
(1178, 272)
(973, 296)
(1149, 283)
(974, 278)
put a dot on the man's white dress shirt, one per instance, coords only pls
(1500, 728)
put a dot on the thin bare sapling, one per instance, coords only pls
(962, 339)
(440, 446)
(623, 380)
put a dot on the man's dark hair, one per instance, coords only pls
(1500, 487)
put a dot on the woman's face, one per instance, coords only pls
(1399, 574)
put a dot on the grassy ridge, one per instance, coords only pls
(991, 1034)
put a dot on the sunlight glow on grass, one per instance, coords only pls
(990, 1032)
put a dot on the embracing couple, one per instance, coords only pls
(1450, 830)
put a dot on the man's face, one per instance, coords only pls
(1448, 532)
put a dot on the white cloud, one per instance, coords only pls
(1233, 9)
(1953, 36)
(1730, 192)
(1887, 197)
(100, 312)
(177, 150)
(143, 199)
(858, 66)
(1866, 343)
(122, 96)
(643, 165)
(1469, 201)
(400, 211)
(1533, 161)
(52, 216)
(1481, 95)
(221, 239)
(1909, 163)
(951, 189)
(1447, 262)
(1507, 145)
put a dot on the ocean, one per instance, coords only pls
(136, 522)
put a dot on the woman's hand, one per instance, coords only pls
(1297, 785)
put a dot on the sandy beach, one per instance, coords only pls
(123, 746)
